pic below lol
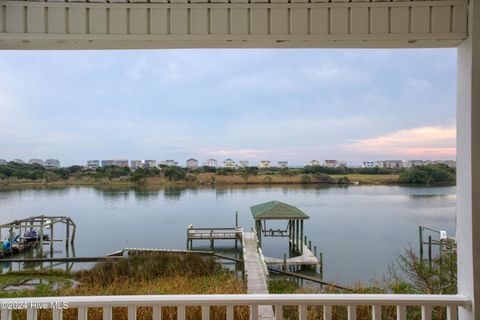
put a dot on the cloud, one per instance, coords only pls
(422, 143)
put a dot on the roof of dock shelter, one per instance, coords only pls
(277, 210)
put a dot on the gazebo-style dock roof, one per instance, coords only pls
(276, 210)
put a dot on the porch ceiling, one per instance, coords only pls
(230, 23)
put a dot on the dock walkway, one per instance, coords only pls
(256, 272)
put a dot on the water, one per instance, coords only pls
(360, 229)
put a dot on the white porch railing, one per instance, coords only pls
(181, 302)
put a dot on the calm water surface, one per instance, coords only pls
(360, 229)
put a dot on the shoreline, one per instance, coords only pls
(212, 180)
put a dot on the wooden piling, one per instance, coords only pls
(420, 236)
(430, 252)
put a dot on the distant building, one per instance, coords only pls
(136, 164)
(52, 164)
(450, 163)
(380, 164)
(314, 163)
(93, 164)
(412, 163)
(392, 164)
(342, 163)
(330, 163)
(243, 163)
(369, 164)
(39, 162)
(118, 163)
(3, 161)
(150, 164)
(18, 161)
(265, 164)
(229, 163)
(210, 163)
(192, 163)
(170, 163)
(282, 164)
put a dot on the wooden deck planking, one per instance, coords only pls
(255, 272)
(307, 258)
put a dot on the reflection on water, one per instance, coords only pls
(359, 229)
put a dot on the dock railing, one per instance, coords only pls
(183, 302)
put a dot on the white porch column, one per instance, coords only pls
(468, 164)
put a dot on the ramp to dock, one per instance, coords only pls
(256, 272)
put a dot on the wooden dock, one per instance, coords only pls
(213, 234)
(305, 259)
(256, 272)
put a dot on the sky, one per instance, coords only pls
(245, 104)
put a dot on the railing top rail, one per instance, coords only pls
(253, 299)
(236, 229)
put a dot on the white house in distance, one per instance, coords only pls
(314, 163)
(93, 164)
(192, 163)
(330, 163)
(369, 164)
(392, 164)
(282, 164)
(37, 162)
(136, 164)
(52, 164)
(265, 164)
(150, 164)
(412, 163)
(3, 161)
(20, 161)
(243, 163)
(229, 163)
(212, 163)
(168, 163)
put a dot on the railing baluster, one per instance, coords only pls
(31, 314)
(6, 314)
(303, 312)
(452, 313)
(376, 312)
(107, 313)
(327, 312)
(253, 312)
(426, 312)
(57, 314)
(401, 312)
(157, 313)
(132, 313)
(181, 313)
(278, 312)
(205, 312)
(352, 312)
(229, 312)
(82, 313)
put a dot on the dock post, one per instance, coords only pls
(310, 245)
(236, 219)
(67, 236)
(315, 250)
(430, 252)
(41, 237)
(297, 232)
(51, 239)
(211, 239)
(10, 239)
(284, 261)
(321, 265)
(420, 238)
(301, 236)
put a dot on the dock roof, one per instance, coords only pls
(277, 210)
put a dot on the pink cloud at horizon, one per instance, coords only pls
(421, 143)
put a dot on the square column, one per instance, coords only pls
(468, 164)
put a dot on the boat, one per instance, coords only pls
(32, 235)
